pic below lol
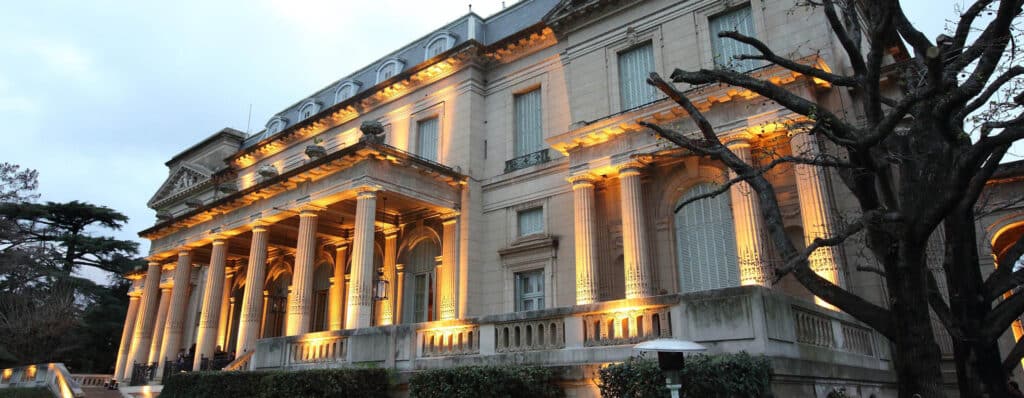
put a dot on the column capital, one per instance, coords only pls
(450, 217)
(154, 263)
(340, 245)
(737, 141)
(260, 226)
(631, 167)
(366, 192)
(219, 240)
(184, 251)
(582, 180)
(391, 232)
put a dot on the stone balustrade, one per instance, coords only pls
(750, 318)
(52, 376)
(91, 380)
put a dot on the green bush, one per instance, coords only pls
(485, 381)
(715, 376)
(35, 392)
(299, 384)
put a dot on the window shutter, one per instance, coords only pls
(705, 242)
(724, 49)
(426, 139)
(634, 67)
(528, 124)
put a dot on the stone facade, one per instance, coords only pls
(453, 238)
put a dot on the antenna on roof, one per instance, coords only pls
(503, 5)
(248, 120)
(470, 7)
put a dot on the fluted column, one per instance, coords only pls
(143, 333)
(387, 306)
(252, 298)
(209, 316)
(360, 293)
(300, 306)
(224, 323)
(746, 221)
(336, 305)
(634, 233)
(134, 297)
(586, 243)
(814, 211)
(160, 324)
(446, 272)
(175, 324)
(399, 292)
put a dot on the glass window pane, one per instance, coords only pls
(724, 49)
(528, 123)
(634, 67)
(426, 138)
(531, 221)
(529, 290)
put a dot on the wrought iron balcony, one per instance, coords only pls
(527, 160)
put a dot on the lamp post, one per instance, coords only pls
(671, 354)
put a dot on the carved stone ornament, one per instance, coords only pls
(315, 151)
(267, 171)
(373, 131)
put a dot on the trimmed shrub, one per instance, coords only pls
(315, 383)
(34, 392)
(715, 376)
(485, 381)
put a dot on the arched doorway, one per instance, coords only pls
(322, 275)
(705, 242)
(275, 311)
(421, 282)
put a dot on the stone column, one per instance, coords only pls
(175, 324)
(634, 233)
(585, 231)
(224, 323)
(399, 292)
(129, 327)
(300, 306)
(252, 299)
(143, 333)
(814, 211)
(746, 220)
(195, 298)
(387, 306)
(360, 294)
(336, 305)
(160, 324)
(446, 272)
(209, 318)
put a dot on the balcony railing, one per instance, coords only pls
(527, 160)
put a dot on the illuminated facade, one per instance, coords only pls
(494, 176)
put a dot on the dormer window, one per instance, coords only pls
(345, 91)
(389, 69)
(439, 44)
(276, 124)
(308, 109)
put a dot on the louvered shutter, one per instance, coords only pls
(634, 67)
(426, 139)
(528, 130)
(705, 243)
(724, 49)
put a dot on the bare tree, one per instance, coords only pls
(913, 166)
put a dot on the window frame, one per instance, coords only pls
(519, 221)
(396, 66)
(276, 124)
(618, 62)
(446, 37)
(754, 64)
(516, 126)
(703, 17)
(536, 297)
(629, 40)
(676, 228)
(348, 84)
(310, 106)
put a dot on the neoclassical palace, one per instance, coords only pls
(486, 194)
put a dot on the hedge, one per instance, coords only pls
(22, 392)
(485, 381)
(314, 383)
(714, 376)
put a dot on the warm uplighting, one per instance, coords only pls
(30, 372)
(7, 375)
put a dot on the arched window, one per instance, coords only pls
(276, 124)
(309, 108)
(422, 260)
(345, 91)
(389, 69)
(705, 242)
(439, 44)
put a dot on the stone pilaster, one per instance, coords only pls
(224, 323)
(209, 318)
(634, 233)
(360, 294)
(143, 333)
(399, 291)
(336, 317)
(175, 324)
(585, 230)
(251, 317)
(134, 297)
(160, 324)
(387, 306)
(814, 211)
(746, 216)
(446, 283)
(300, 306)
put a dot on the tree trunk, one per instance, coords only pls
(917, 357)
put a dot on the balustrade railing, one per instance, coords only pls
(317, 350)
(813, 329)
(541, 334)
(626, 327)
(92, 380)
(240, 363)
(458, 340)
(857, 340)
(527, 160)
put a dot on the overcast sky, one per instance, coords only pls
(96, 95)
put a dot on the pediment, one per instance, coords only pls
(185, 178)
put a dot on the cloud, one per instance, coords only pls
(62, 58)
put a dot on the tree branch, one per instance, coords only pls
(768, 55)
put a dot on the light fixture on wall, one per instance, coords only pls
(380, 289)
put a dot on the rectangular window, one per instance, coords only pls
(531, 221)
(634, 66)
(530, 290)
(423, 298)
(723, 49)
(528, 126)
(426, 138)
